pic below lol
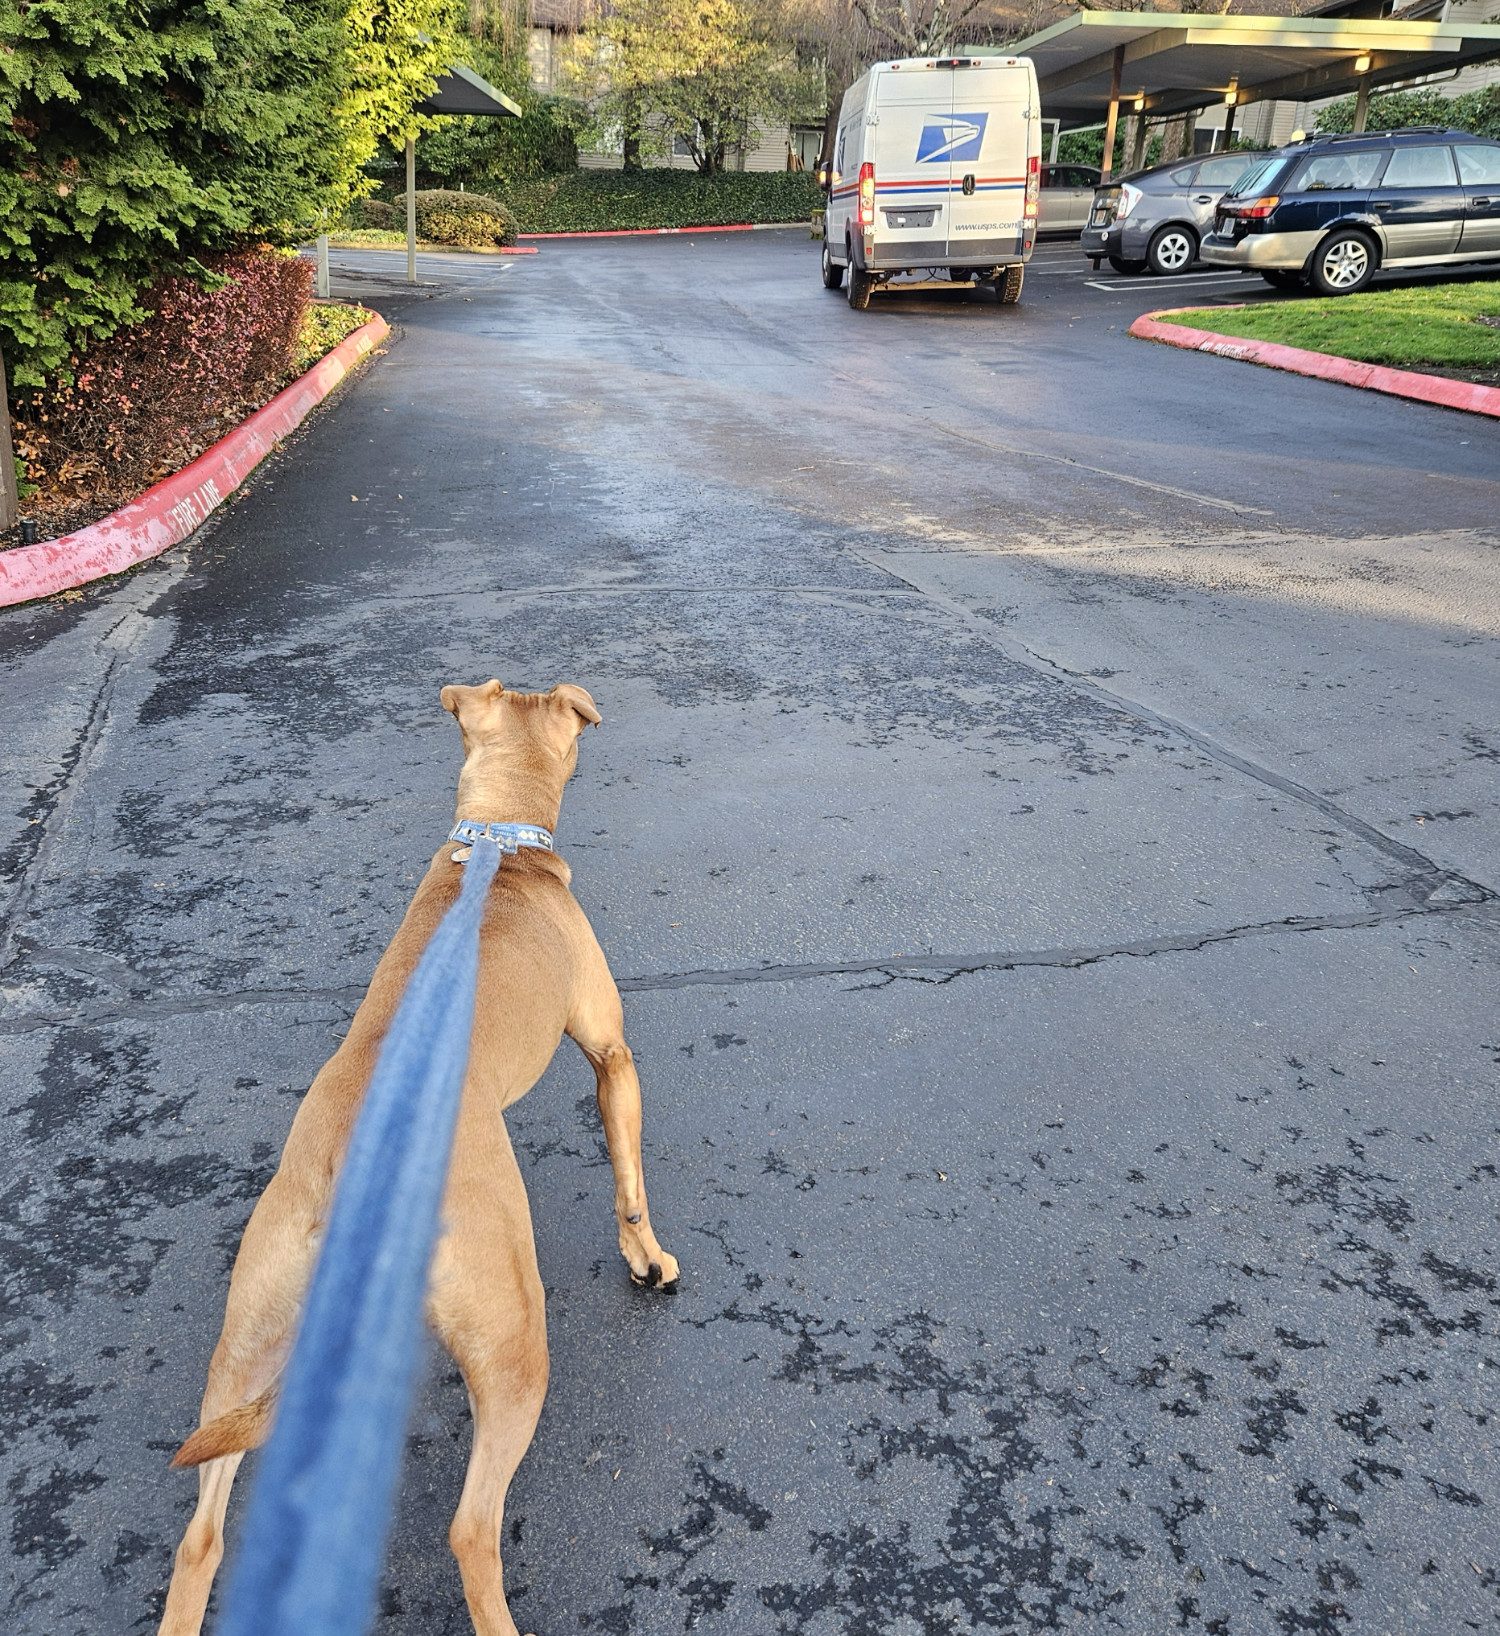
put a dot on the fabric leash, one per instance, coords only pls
(315, 1532)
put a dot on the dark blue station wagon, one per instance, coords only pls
(1330, 211)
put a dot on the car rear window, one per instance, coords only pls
(1227, 171)
(1477, 164)
(1260, 178)
(1420, 167)
(1336, 172)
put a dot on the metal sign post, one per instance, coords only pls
(10, 500)
(411, 210)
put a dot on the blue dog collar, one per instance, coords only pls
(508, 837)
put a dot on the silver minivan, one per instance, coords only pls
(1155, 220)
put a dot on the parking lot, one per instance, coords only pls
(1044, 827)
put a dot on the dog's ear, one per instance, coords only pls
(569, 698)
(454, 698)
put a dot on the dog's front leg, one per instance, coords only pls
(598, 1026)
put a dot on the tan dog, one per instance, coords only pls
(541, 974)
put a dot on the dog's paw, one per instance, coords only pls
(662, 1272)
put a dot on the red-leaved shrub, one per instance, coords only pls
(151, 398)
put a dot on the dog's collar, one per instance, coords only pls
(508, 837)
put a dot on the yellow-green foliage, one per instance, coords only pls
(323, 327)
(1431, 324)
(447, 217)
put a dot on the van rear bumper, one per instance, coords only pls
(896, 256)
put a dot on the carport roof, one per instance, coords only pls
(1181, 61)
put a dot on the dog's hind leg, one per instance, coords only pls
(265, 1293)
(201, 1550)
(487, 1304)
(597, 1024)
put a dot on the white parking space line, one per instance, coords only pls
(1216, 501)
(1156, 284)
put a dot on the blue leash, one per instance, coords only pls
(315, 1533)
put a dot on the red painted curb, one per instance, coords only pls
(164, 516)
(1400, 383)
(650, 232)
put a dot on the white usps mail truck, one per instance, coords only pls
(936, 169)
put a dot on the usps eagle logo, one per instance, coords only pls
(951, 136)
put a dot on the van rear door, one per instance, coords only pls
(987, 150)
(912, 102)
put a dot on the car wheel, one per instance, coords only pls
(1344, 263)
(833, 274)
(1172, 249)
(858, 287)
(1008, 285)
(1282, 278)
(1128, 267)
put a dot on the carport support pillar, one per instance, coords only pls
(1361, 105)
(1138, 152)
(411, 210)
(1115, 72)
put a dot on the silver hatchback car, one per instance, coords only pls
(1155, 220)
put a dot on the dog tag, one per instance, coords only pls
(463, 854)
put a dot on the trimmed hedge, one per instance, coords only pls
(597, 200)
(444, 216)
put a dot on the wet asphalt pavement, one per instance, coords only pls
(1045, 824)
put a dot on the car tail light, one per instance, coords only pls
(1260, 209)
(1130, 197)
(1033, 184)
(867, 195)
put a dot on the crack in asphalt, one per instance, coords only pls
(521, 592)
(1426, 875)
(944, 967)
(949, 966)
(54, 801)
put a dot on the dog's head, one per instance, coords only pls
(515, 742)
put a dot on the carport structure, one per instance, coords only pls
(1163, 64)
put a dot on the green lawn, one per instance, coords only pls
(1436, 324)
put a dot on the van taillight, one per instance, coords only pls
(1033, 184)
(867, 194)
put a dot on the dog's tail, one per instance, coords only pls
(246, 1427)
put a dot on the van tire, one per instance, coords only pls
(1344, 263)
(859, 287)
(1008, 285)
(833, 274)
(1173, 249)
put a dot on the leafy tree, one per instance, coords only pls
(138, 135)
(695, 71)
